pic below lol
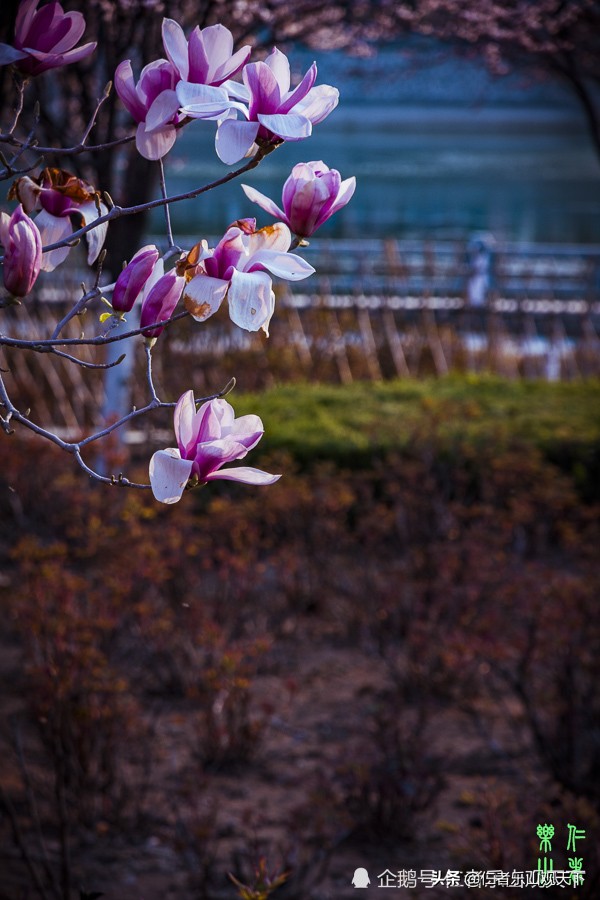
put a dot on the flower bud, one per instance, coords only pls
(161, 296)
(22, 252)
(133, 278)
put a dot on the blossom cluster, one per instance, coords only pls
(194, 80)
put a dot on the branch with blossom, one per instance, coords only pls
(56, 209)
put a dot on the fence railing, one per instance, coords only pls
(375, 309)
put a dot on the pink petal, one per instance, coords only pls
(125, 88)
(203, 296)
(232, 66)
(25, 15)
(234, 140)
(344, 196)
(251, 300)
(264, 89)
(301, 91)
(186, 423)
(176, 46)
(161, 111)
(289, 127)
(245, 475)
(169, 475)
(307, 203)
(264, 202)
(218, 46)
(248, 430)
(209, 424)
(73, 26)
(52, 60)
(199, 62)
(156, 144)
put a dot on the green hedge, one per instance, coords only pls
(357, 423)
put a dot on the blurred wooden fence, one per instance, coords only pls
(373, 310)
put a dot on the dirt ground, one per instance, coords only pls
(315, 698)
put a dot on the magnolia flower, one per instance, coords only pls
(207, 58)
(153, 104)
(272, 111)
(45, 38)
(22, 244)
(311, 195)
(236, 269)
(206, 440)
(133, 278)
(161, 296)
(58, 195)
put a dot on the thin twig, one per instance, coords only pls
(92, 122)
(153, 394)
(19, 109)
(42, 345)
(84, 364)
(117, 211)
(76, 309)
(163, 189)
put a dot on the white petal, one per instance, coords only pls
(264, 202)
(318, 103)
(284, 265)
(213, 109)
(289, 126)
(237, 91)
(53, 229)
(280, 67)
(4, 223)
(169, 475)
(251, 300)
(344, 196)
(96, 237)
(203, 296)
(234, 140)
(189, 93)
(273, 237)
(244, 474)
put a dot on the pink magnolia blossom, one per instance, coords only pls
(206, 441)
(238, 269)
(272, 112)
(207, 58)
(45, 38)
(160, 297)
(311, 195)
(153, 104)
(58, 195)
(22, 252)
(133, 278)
